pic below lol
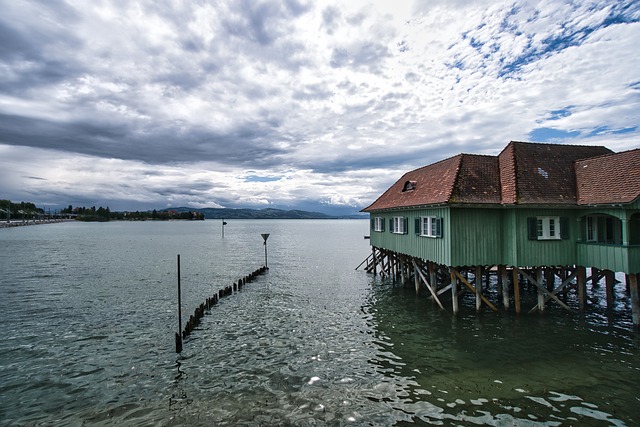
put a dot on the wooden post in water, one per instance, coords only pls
(581, 280)
(454, 291)
(505, 286)
(540, 292)
(516, 289)
(478, 287)
(610, 281)
(635, 298)
(179, 334)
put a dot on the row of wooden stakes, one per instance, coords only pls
(194, 319)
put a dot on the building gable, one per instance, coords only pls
(534, 173)
(609, 179)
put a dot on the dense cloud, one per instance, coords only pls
(292, 103)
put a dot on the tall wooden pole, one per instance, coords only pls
(179, 334)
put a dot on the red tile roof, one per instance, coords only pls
(542, 173)
(523, 173)
(610, 179)
(434, 184)
(478, 180)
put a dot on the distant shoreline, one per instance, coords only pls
(22, 223)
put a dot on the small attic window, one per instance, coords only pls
(409, 186)
(543, 172)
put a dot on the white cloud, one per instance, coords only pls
(177, 103)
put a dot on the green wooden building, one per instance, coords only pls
(540, 212)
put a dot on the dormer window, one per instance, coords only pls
(409, 186)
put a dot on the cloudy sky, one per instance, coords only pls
(317, 105)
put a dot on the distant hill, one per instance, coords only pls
(269, 213)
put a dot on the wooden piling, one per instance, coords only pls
(504, 274)
(454, 292)
(635, 299)
(204, 307)
(540, 291)
(516, 290)
(540, 279)
(478, 286)
(581, 280)
(610, 281)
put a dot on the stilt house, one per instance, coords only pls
(535, 209)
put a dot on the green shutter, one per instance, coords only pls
(438, 227)
(391, 225)
(417, 226)
(532, 228)
(406, 225)
(373, 224)
(564, 228)
(381, 224)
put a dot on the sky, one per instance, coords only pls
(296, 104)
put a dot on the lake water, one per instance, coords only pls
(89, 311)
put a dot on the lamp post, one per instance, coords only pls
(265, 236)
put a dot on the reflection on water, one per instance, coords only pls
(496, 369)
(89, 311)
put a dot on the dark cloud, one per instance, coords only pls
(175, 102)
(248, 144)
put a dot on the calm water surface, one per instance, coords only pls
(89, 311)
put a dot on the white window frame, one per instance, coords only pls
(548, 227)
(428, 226)
(378, 224)
(399, 225)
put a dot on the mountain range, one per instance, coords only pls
(268, 213)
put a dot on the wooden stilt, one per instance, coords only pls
(516, 290)
(550, 278)
(504, 274)
(433, 276)
(540, 289)
(488, 278)
(635, 299)
(478, 285)
(538, 284)
(375, 262)
(454, 291)
(582, 287)
(430, 287)
(610, 281)
(473, 289)
(595, 278)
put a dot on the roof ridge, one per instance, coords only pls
(555, 144)
(613, 153)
